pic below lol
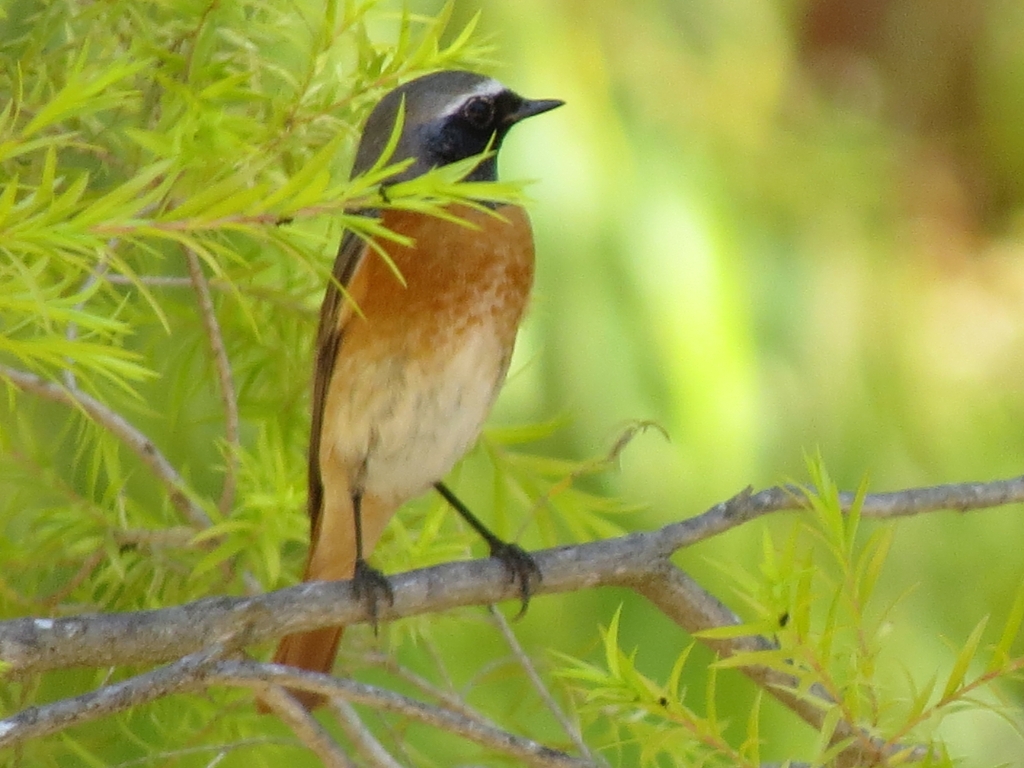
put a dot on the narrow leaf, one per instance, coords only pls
(964, 659)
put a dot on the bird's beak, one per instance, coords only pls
(530, 108)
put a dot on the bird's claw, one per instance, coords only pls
(370, 587)
(521, 567)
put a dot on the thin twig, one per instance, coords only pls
(447, 697)
(251, 674)
(35, 722)
(156, 281)
(570, 728)
(202, 670)
(222, 365)
(639, 561)
(136, 441)
(305, 727)
(365, 742)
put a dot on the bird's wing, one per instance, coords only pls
(335, 313)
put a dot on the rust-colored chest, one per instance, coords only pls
(422, 359)
(455, 277)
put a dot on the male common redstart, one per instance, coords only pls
(405, 374)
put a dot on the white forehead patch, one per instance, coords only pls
(488, 87)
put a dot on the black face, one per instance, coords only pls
(481, 121)
(449, 116)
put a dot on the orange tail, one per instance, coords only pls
(331, 558)
(314, 651)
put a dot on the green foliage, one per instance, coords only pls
(137, 137)
(811, 594)
(152, 153)
(656, 719)
(133, 136)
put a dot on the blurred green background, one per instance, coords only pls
(778, 227)
(774, 227)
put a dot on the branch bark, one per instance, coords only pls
(136, 441)
(638, 561)
(225, 378)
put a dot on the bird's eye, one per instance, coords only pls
(479, 112)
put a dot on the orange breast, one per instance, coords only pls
(421, 363)
(455, 275)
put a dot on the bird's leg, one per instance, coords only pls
(369, 584)
(519, 563)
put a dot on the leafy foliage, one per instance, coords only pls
(138, 136)
(812, 595)
(173, 180)
(655, 718)
(134, 138)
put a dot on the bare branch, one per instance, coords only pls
(364, 741)
(959, 497)
(156, 281)
(50, 718)
(570, 728)
(305, 727)
(128, 434)
(222, 365)
(747, 506)
(633, 560)
(254, 675)
(202, 670)
(638, 561)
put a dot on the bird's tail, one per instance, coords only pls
(332, 557)
(313, 651)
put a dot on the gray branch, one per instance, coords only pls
(638, 561)
(225, 377)
(136, 441)
(201, 670)
(362, 739)
(305, 727)
(251, 674)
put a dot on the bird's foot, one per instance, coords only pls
(521, 567)
(371, 587)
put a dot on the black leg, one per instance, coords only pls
(369, 584)
(519, 563)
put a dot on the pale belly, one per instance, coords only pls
(409, 419)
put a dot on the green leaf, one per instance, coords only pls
(1014, 620)
(776, 658)
(86, 93)
(919, 699)
(306, 185)
(826, 731)
(964, 659)
(116, 208)
(730, 632)
(612, 654)
(872, 560)
(751, 747)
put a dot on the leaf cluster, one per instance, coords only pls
(134, 137)
(812, 596)
(173, 184)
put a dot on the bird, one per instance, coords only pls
(407, 367)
